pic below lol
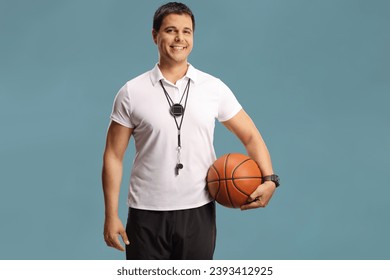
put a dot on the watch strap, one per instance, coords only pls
(273, 178)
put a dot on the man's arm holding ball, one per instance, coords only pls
(243, 127)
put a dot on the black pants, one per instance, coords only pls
(171, 235)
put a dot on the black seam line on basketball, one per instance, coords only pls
(225, 164)
(228, 194)
(234, 179)
(239, 189)
(227, 189)
(235, 168)
(219, 181)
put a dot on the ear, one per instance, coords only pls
(154, 35)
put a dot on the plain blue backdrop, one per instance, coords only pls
(313, 75)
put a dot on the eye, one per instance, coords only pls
(170, 30)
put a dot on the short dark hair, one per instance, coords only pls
(171, 8)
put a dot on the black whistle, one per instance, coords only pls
(178, 167)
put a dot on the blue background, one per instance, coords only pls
(313, 75)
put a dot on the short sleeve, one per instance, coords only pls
(121, 110)
(228, 105)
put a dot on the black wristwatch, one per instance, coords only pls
(274, 178)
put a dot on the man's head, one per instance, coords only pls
(173, 27)
(171, 8)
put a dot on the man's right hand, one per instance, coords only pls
(113, 227)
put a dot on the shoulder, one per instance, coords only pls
(140, 80)
(206, 78)
(127, 90)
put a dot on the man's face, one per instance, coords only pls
(174, 39)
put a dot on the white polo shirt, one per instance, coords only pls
(142, 105)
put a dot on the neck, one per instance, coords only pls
(173, 73)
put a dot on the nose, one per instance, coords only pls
(179, 37)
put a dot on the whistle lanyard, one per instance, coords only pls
(177, 110)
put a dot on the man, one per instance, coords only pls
(171, 111)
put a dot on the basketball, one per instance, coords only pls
(232, 178)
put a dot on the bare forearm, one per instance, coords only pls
(242, 126)
(111, 179)
(257, 150)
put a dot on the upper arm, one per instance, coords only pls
(118, 137)
(242, 126)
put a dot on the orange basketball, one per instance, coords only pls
(232, 178)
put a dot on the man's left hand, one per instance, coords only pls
(260, 197)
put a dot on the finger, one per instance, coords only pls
(115, 243)
(255, 195)
(257, 203)
(125, 238)
(107, 240)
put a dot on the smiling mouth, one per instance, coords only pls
(178, 48)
